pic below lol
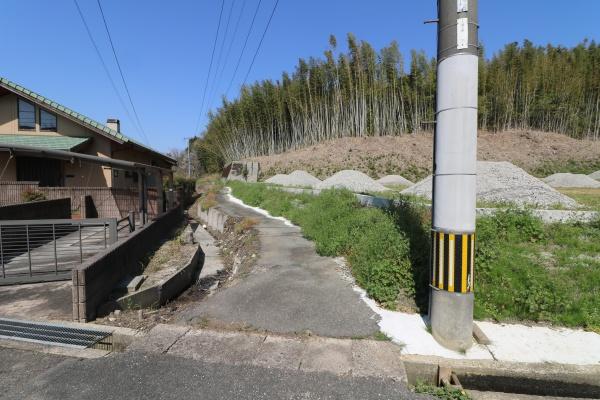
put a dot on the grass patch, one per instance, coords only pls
(440, 392)
(587, 197)
(574, 166)
(525, 269)
(530, 271)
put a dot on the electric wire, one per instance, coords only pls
(243, 48)
(112, 46)
(212, 55)
(104, 66)
(235, 30)
(217, 67)
(261, 41)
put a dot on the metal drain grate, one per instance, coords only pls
(54, 334)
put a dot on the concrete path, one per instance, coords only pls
(290, 290)
(46, 301)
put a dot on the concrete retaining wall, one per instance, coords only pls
(214, 218)
(159, 294)
(43, 209)
(95, 278)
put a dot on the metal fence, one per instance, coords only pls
(46, 250)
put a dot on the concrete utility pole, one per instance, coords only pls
(454, 175)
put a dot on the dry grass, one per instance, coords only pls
(540, 153)
(169, 250)
(208, 201)
(245, 225)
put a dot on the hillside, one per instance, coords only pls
(539, 153)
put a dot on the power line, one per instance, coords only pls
(237, 24)
(261, 40)
(214, 82)
(243, 48)
(212, 55)
(112, 46)
(106, 70)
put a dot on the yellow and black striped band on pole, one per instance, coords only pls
(453, 260)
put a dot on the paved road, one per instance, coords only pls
(291, 289)
(137, 375)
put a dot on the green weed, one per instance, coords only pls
(440, 392)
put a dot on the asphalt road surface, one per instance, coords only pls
(137, 375)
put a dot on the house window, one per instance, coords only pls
(47, 121)
(26, 115)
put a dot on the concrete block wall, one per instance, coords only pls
(43, 209)
(95, 278)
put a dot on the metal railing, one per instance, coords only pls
(44, 250)
(127, 224)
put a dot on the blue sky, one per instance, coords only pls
(164, 46)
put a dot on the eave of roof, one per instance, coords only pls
(43, 141)
(76, 117)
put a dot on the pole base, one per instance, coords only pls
(451, 318)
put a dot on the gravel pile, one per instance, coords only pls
(278, 179)
(567, 180)
(503, 182)
(297, 178)
(354, 181)
(595, 175)
(394, 180)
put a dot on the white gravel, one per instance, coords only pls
(278, 179)
(504, 182)
(595, 175)
(355, 181)
(297, 178)
(394, 180)
(567, 180)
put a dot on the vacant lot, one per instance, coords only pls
(539, 153)
(525, 270)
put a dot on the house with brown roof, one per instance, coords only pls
(29, 119)
(50, 146)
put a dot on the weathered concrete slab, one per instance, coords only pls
(159, 339)
(280, 352)
(218, 347)
(331, 355)
(382, 359)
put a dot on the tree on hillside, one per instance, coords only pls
(363, 92)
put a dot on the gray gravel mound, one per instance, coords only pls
(278, 179)
(503, 182)
(297, 178)
(354, 181)
(568, 180)
(394, 180)
(595, 175)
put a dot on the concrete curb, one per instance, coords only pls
(159, 294)
(542, 379)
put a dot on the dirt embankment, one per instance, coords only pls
(539, 153)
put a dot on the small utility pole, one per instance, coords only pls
(454, 175)
(189, 174)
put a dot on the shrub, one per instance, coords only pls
(32, 195)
